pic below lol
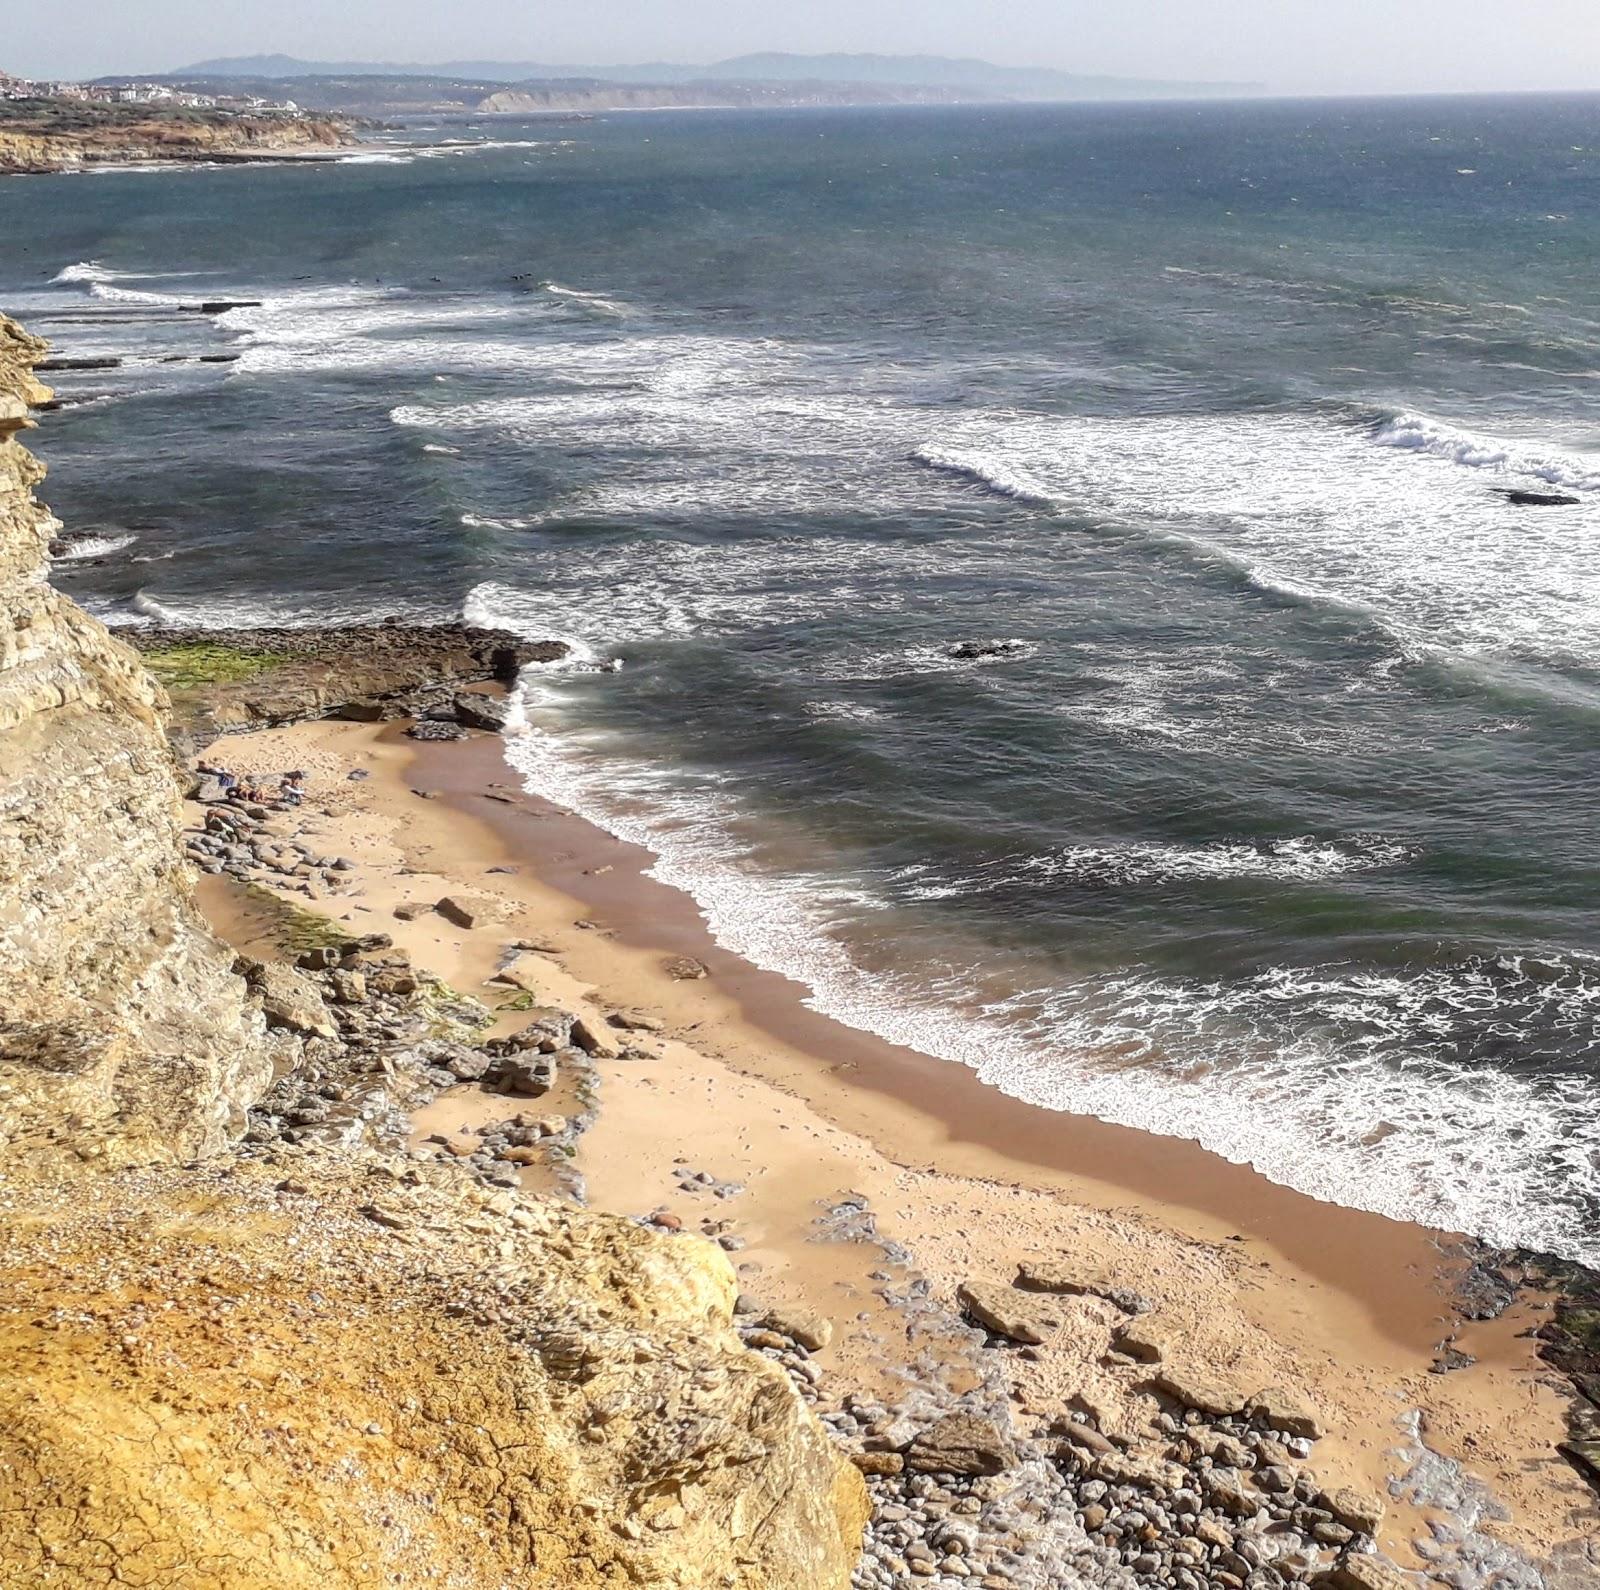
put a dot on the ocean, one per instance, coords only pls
(1068, 610)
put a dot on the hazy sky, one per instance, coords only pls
(1294, 45)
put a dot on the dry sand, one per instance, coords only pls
(1269, 1287)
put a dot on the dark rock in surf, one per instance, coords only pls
(976, 650)
(1540, 499)
(63, 364)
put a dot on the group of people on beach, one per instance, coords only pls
(289, 789)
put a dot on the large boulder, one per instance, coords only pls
(1006, 1312)
(961, 1443)
(291, 1000)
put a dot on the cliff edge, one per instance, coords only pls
(124, 1036)
(280, 1363)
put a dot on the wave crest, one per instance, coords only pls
(988, 472)
(1420, 433)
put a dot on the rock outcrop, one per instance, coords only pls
(225, 680)
(309, 1359)
(38, 137)
(124, 1036)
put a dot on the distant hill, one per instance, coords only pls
(277, 66)
(370, 95)
(969, 79)
(940, 71)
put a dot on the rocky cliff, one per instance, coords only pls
(123, 1033)
(45, 136)
(308, 1359)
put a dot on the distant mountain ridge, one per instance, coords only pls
(972, 77)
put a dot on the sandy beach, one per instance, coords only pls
(867, 1183)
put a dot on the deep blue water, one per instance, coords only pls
(1273, 822)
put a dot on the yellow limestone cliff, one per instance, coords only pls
(300, 1368)
(123, 1033)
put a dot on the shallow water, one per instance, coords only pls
(1270, 822)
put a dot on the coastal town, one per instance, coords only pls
(127, 92)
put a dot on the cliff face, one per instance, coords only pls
(124, 1036)
(132, 140)
(326, 1365)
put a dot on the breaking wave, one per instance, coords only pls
(990, 473)
(74, 548)
(1304, 858)
(1367, 1088)
(1419, 433)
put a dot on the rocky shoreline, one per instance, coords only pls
(236, 1351)
(221, 681)
(1218, 1492)
(959, 1493)
(44, 137)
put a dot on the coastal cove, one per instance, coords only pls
(813, 850)
(1194, 701)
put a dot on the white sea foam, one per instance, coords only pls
(145, 606)
(1420, 433)
(359, 327)
(988, 472)
(597, 302)
(1380, 1120)
(1303, 858)
(241, 612)
(77, 548)
(91, 270)
(104, 283)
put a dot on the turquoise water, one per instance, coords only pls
(1067, 607)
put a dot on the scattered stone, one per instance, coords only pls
(812, 1330)
(529, 1074)
(1354, 1509)
(410, 910)
(290, 999)
(526, 972)
(349, 988)
(1287, 1410)
(1072, 1282)
(1363, 1573)
(458, 911)
(1194, 1388)
(1008, 1313)
(686, 969)
(390, 1218)
(593, 1041)
(627, 1021)
(1084, 1436)
(481, 712)
(1149, 1338)
(961, 1443)
(395, 980)
(878, 1463)
(1223, 1488)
